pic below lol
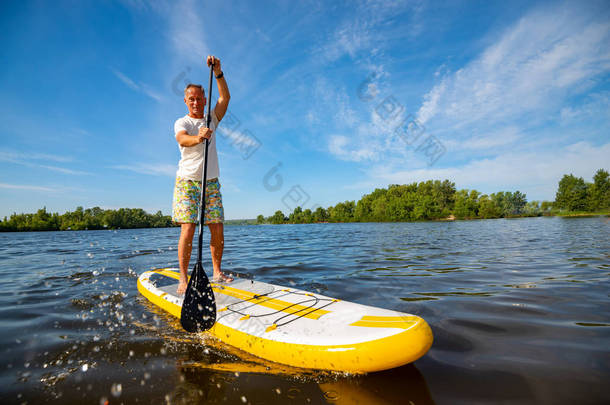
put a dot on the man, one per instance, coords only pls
(191, 133)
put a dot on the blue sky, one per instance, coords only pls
(329, 99)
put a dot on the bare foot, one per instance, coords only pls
(181, 287)
(222, 278)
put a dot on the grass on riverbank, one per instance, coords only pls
(603, 213)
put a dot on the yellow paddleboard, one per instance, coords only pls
(299, 328)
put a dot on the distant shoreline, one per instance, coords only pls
(452, 219)
(248, 222)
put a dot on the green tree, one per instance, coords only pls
(514, 203)
(445, 195)
(278, 218)
(296, 217)
(488, 207)
(90, 218)
(260, 219)
(466, 204)
(546, 206)
(599, 197)
(307, 216)
(363, 211)
(320, 215)
(342, 212)
(571, 193)
(532, 208)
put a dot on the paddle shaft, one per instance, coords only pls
(205, 172)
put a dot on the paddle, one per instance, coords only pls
(199, 306)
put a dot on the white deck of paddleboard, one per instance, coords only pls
(335, 327)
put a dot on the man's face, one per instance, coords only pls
(195, 101)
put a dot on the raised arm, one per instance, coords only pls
(223, 90)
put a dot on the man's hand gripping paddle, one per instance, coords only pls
(199, 306)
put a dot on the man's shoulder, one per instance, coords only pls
(183, 119)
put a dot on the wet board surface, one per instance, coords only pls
(299, 328)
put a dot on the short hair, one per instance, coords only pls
(197, 86)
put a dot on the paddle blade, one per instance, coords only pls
(199, 306)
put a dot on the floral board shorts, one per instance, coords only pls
(187, 194)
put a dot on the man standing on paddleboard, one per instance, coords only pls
(191, 133)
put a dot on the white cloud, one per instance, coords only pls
(360, 34)
(487, 141)
(26, 187)
(536, 173)
(493, 105)
(14, 156)
(153, 169)
(343, 148)
(246, 142)
(33, 159)
(596, 107)
(141, 88)
(186, 32)
(349, 39)
(534, 66)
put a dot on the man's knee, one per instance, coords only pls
(187, 231)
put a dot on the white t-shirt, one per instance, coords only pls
(191, 157)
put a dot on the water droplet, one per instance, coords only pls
(85, 367)
(116, 390)
(147, 376)
(278, 391)
(237, 374)
(26, 365)
(103, 401)
(131, 353)
(331, 395)
(243, 399)
(163, 351)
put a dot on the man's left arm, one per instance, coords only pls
(223, 90)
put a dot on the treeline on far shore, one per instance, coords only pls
(438, 200)
(80, 219)
(429, 200)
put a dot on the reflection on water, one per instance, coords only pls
(519, 311)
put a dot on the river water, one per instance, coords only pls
(520, 311)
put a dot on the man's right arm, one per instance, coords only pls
(184, 139)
